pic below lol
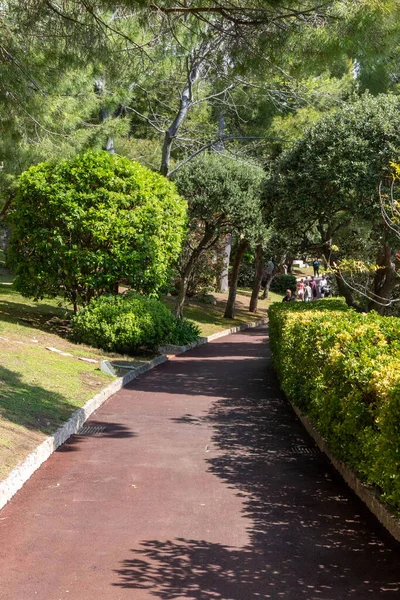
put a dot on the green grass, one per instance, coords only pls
(5, 275)
(40, 389)
(210, 318)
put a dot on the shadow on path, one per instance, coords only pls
(310, 537)
(101, 430)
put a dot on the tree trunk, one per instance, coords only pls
(222, 277)
(109, 147)
(195, 72)
(345, 291)
(74, 298)
(180, 300)
(219, 146)
(205, 242)
(230, 304)
(99, 88)
(384, 281)
(289, 264)
(268, 285)
(259, 264)
(343, 288)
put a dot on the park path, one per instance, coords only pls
(203, 485)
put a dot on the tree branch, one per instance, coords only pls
(219, 140)
(142, 116)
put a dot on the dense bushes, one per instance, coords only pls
(183, 332)
(342, 368)
(282, 283)
(129, 323)
(247, 273)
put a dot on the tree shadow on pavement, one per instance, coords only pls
(216, 370)
(97, 430)
(309, 536)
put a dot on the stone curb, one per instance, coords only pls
(388, 519)
(21, 473)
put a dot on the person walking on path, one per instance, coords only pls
(300, 290)
(323, 286)
(316, 267)
(307, 292)
(326, 286)
(313, 285)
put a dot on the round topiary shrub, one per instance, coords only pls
(81, 226)
(129, 323)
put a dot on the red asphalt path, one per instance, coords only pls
(204, 486)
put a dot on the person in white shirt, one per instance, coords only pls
(308, 295)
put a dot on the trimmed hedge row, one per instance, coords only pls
(342, 369)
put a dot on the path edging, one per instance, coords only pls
(22, 472)
(386, 517)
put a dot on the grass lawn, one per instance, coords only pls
(211, 318)
(40, 389)
(304, 272)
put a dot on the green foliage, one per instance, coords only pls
(342, 368)
(81, 226)
(342, 158)
(204, 274)
(247, 273)
(282, 283)
(53, 55)
(324, 190)
(130, 323)
(184, 332)
(223, 194)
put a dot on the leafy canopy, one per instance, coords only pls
(334, 170)
(222, 193)
(82, 225)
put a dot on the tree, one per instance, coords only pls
(278, 247)
(223, 196)
(174, 68)
(82, 225)
(326, 187)
(252, 232)
(388, 196)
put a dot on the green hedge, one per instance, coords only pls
(130, 323)
(342, 369)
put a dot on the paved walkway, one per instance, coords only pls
(200, 487)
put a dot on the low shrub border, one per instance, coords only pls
(342, 370)
(129, 323)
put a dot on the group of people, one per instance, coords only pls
(309, 289)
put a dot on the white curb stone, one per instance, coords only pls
(21, 473)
